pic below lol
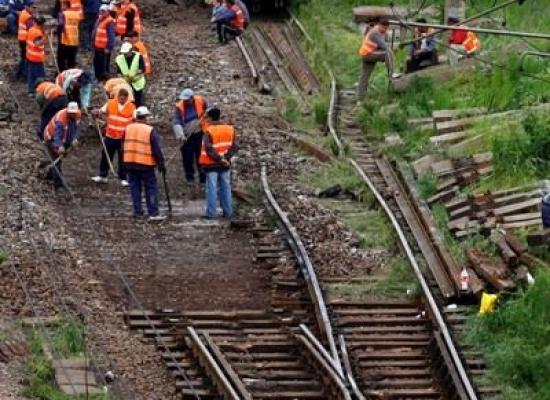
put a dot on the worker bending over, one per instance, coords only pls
(25, 23)
(119, 113)
(142, 153)
(131, 66)
(51, 99)
(59, 135)
(103, 39)
(189, 125)
(113, 85)
(374, 49)
(78, 85)
(128, 18)
(229, 21)
(35, 53)
(68, 22)
(461, 42)
(423, 51)
(218, 147)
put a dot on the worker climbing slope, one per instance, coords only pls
(131, 66)
(51, 99)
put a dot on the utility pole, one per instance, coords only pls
(455, 8)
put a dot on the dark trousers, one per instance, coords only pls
(55, 173)
(139, 98)
(226, 32)
(190, 153)
(147, 179)
(86, 29)
(35, 70)
(49, 111)
(422, 60)
(66, 56)
(102, 60)
(114, 146)
(22, 66)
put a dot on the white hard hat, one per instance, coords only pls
(186, 94)
(126, 47)
(141, 112)
(72, 107)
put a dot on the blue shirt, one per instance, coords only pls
(190, 113)
(225, 15)
(64, 136)
(111, 36)
(91, 7)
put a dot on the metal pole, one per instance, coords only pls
(473, 17)
(479, 30)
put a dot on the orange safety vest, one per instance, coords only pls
(50, 90)
(101, 38)
(368, 46)
(140, 47)
(22, 31)
(199, 104)
(137, 144)
(73, 72)
(62, 117)
(118, 119)
(121, 19)
(238, 21)
(35, 52)
(472, 43)
(222, 140)
(69, 36)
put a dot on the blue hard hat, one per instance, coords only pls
(186, 94)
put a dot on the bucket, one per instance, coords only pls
(546, 211)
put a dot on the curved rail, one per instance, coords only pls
(310, 277)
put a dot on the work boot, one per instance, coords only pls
(99, 179)
(156, 218)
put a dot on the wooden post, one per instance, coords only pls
(455, 8)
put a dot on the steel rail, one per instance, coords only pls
(306, 267)
(246, 54)
(441, 324)
(472, 29)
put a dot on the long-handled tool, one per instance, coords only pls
(50, 41)
(58, 159)
(167, 192)
(103, 145)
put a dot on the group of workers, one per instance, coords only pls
(207, 145)
(422, 51)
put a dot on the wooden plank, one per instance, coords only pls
(452, 126)
(521, 217)
(512, 208)
(448, 138)
(522, 224)
(508, 255)
(539, 238)
(517, 245)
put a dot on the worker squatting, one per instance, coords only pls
(207, 144)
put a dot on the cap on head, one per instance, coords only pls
(126, 48)
(453, 20)
(141, 112)
(214, 113)
(72, 107)
(104, 8)
(186, 94)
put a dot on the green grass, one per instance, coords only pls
(339, 172)
(373, 229)
(40, 372)
(427, 185)
(516, 341)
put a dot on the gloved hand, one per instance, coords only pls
(75, 143)
(178, 131)
(61, 150)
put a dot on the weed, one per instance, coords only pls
(339, 172)
(427, 184)
(373, 229)
(68, 339)
(291, 111)
(516, 340)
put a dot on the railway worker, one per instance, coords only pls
(60, 134)
(140, 47)
(130, 65)
(35, 53)
(128, 18)
(25, 22)
(229, 22)
(91, 12)
(103, 38)
(119, 113)
(113, 85)
(78, 85)
(218, 147)
(142, 152)
(189, 125)
(374, 49)
(422, 52)
(74, 5)
(51, 99)
(245, 11)
(68, 22)
(14, 10)
(461, 42)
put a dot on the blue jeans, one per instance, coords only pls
(35, 70)
(144, 178)
(224, 179)
(11, 19)
(86, 28)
